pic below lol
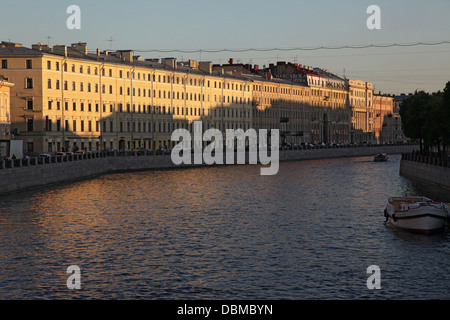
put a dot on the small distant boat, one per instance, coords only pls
(417, 214)
(381, 157)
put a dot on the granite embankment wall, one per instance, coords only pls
(428, 169)
(32, 174)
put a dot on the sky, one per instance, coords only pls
(256, 24)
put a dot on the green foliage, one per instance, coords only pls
(426, 117)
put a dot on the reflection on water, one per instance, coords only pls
(309, 232)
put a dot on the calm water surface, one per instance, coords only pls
(309, 232)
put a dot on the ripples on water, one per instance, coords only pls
(309, 232)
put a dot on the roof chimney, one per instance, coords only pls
(170, 62)
(125, 55)
(60, 49)
(205, 66)
(6, 44)
(41, 47)
(231, 61)
(80, 47)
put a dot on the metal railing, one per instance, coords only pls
(431, 160)
(82, 156)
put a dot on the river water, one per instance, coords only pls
(224, 232)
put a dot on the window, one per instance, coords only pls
(49, 65)
(74, 106)
(29, 64)
(50, 105)
(82, 125)
(74, 129)
(82, 106)
(30, 146)
(57, 84)
(67, 127)
(29, 83)
(74, 86)
(58, 105)
(30, 104)
(30, 125)
(49, 83)
(4, 64)
(58, 125)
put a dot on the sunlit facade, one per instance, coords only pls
(5, 111)
(383, 123)
(361, 104)
(69, 98)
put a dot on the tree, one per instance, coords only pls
(433, 124)
(426, 117)
(446, 116)
(412, 112)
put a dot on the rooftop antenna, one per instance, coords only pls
(110, 43)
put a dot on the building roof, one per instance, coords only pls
(79, 51)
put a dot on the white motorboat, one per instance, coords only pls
(418, 214)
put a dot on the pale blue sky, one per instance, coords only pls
(202, 24)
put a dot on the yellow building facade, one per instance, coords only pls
(72, 99)
(279, 104)
(5, 115)
(5, 108)
(383, 107)
(361, 104)
(305, 106)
